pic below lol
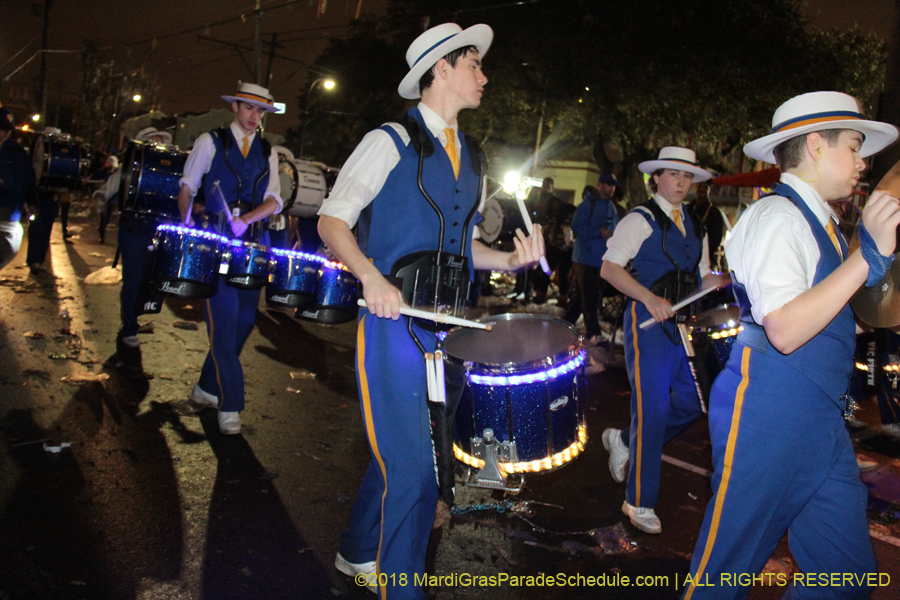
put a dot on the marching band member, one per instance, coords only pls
(668, 255)
(379, 186)
(238, 172)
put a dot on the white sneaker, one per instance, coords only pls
(892, 430)
(229, 422)
(203, 399)
(618, 454)
(644, 519)
(353, 569)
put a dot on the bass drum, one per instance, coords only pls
(303, 188)
(150, 175)
(58, 162)
(501, 218)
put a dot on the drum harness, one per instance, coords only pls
(677, 284)
(254, 230)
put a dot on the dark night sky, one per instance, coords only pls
(192, 74)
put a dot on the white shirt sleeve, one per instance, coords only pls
(773, 254)
(362, 177)
(199, 162)
(630, 234)
(109, 187)
(273, 190)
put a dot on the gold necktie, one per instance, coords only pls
(829, 227)
(451, 150)
(676, 216)
(245, 149)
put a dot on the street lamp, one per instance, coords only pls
(328, 84)
(136, 97)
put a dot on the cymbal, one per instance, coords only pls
(879, 305)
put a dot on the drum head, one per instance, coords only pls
(287, 177)
(492, 225)
(516, 342)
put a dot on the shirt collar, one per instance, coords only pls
(811, 197)
(666, 206)
(239, 134)
(433, 121)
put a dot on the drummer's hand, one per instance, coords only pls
(881, 217)
(659, 308)
(238, 226)
(382, 298)
(528, 249)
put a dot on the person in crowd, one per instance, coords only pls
(555, 216)
(713, 222)
(238, 172)
(379, 187)
(42, 218)
(110, 167)
(16, 188)
(664, 247)
(594, 222)
(782, 457)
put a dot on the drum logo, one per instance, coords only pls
(179, 290)
(150, 306)
(282, 299)
(240, 280)
(559, 403)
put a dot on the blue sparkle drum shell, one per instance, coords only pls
(61, 164)
(248, 265)
(525, 381)
(292, 278)
(187, 261)
(336, 295)
(150, 175)
(714, 330)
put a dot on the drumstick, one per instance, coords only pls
(683, 303)
(528, 225)
(436, 317)
(429, 376)
(222, 199)
(439, 382)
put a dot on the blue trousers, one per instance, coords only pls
(664, 402)
(39, 230)
(394, 510)
(783, 461)
(230, 317)
(133, 245)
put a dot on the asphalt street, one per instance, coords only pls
(112, 488)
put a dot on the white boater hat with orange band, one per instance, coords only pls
(436, 43)
(817, 111)
(680, 159)
(253, 94)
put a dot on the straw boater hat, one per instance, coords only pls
(816, 111)
(253, 94)
(435, 44)
(680, 159)
(148, 132)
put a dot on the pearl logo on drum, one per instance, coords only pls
(559, 403)
(170, 289)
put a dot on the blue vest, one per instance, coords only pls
(827, 359)
(400, 221)
(243, 179)
(651, 262)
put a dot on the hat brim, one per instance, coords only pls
(480, 36)
(878, 137)
(267, 107)
(652, 166)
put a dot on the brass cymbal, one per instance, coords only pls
(879, 305)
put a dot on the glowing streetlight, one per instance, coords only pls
(136, 97)
(328, 84)
(35, 118)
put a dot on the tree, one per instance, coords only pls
(634, 76)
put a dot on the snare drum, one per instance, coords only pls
(187, 261)
(501, 218)
(150, 175)
(526, 383)
(336, 295)
(248, 265)
(714, 330)
(292, 278)
(58, 162)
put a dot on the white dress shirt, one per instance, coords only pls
(200, 160)
(364, 173)
(772, 250)
(633, 230)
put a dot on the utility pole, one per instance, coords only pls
(272, 45)
(258, 43)
(44, 54)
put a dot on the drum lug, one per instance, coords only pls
(489, 450)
